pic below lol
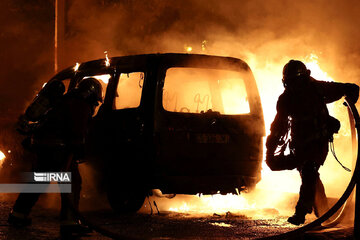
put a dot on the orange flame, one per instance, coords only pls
(2, 157)
(215, 203)
(76, 67)
(107, 60)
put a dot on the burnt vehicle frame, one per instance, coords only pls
(147, 147)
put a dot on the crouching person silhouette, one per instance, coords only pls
(58, 142)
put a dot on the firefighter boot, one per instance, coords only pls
(74, 229)
(297, 218)
(18, 219)
(71, 226)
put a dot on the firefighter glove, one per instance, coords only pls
(352, 92)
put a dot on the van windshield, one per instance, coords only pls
(198, 90)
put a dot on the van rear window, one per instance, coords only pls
(198, 90)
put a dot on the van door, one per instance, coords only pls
(206, 130)
(118, 132)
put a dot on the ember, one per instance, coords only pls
(188, 49)
(221, 224)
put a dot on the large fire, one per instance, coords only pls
(2, 157)
(216, 204)
(274, 188)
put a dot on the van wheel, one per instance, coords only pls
(125, 201)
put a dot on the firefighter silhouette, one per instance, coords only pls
(303, 125)
(58, 142)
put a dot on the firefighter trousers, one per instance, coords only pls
(54, 160)
(312, 193)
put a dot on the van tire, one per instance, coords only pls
(125, 201)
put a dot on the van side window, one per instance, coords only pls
(129, 90)
(197, 90)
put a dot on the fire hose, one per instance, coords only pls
(347, 195)
(355, 123)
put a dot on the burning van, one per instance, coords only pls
(181, 123)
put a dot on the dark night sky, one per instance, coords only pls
(26, 34)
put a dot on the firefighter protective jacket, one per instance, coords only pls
(66, 124)
(303, 112)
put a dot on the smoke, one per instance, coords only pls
(26, 55)
(272, 30)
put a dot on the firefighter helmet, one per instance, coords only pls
(293, 70)
(49, 95)
(91, 90)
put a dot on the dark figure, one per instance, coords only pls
(302, 114)
(58, 143)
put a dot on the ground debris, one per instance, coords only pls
(270, 211)
(230, 215)
(168, 225)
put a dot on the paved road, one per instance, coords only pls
(166, 225)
